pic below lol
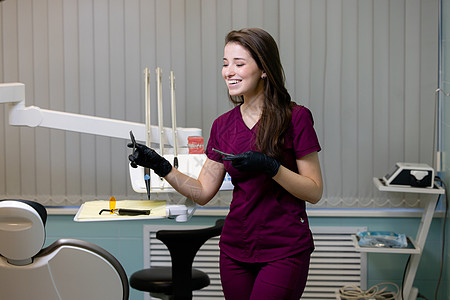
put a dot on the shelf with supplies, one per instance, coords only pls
(415, 246)
(412, 247)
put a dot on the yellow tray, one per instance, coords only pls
(89, 210)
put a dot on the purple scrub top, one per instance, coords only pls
(265, 222)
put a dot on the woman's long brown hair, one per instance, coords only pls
(277, 106)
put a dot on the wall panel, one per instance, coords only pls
(367, 69)
(349, 99)
(365, 101)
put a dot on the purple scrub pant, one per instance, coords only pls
(283, 279)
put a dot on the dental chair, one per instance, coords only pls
(67, 269)
(178, 281)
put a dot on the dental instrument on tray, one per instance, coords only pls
(123, 211)
(174, 120)
(127, 211)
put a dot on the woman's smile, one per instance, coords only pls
(233, 81)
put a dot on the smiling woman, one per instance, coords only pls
(273, 179)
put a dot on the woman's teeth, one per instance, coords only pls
(234, 81)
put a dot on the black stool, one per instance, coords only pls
(178, 281)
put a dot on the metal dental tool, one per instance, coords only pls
(160, 116)
(133, 140)
(160, 110)
(223, 153)
(148, 128)
(174, 120)
(126, 211)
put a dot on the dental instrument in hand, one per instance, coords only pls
(147, 125)
(223, 153)
(133, 141)
(252, 161)
(148, 158)
(134, 165)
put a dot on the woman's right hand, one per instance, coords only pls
(148, 158)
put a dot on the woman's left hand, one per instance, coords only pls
(252, 161)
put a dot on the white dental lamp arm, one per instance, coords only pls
(32, 116)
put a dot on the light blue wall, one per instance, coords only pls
(124, 240)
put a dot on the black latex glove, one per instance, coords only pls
(252, 161)
(148, 158)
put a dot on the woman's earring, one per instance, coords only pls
(263, 76)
